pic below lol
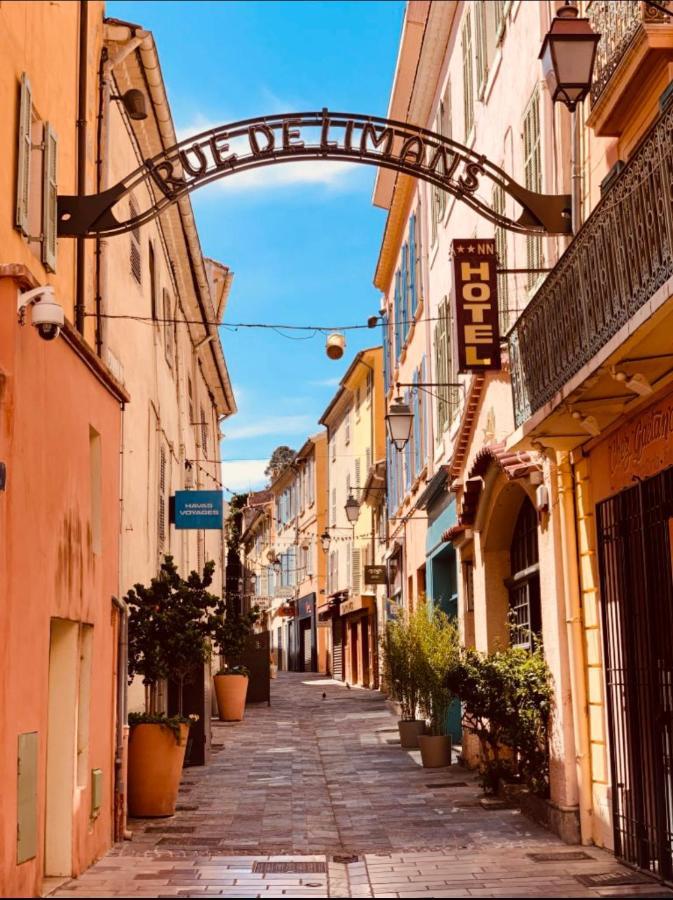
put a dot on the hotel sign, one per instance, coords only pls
(476, 305)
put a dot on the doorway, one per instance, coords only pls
(61, 747)
(634, 542)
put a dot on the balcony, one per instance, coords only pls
(621, 256)
(635, 47)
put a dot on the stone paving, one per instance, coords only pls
(318, 781)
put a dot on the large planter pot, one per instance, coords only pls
(435, 750)
(155, 766)
(231, 691)
(409, 730)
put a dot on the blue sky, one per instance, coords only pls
(302, 239)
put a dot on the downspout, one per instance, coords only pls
(574, 624)
(81, 155)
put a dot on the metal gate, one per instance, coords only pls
(634, 539)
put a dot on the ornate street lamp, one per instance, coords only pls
(352, 509)
(325, 540)
(399, 420)
(568, 54)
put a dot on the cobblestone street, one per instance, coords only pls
(313, 796)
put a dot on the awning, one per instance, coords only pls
(357, 604)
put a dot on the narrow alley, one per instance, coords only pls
(312, 796)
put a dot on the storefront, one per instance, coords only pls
(304, 643)
(630, 477)
(328, 613)
(358, 629)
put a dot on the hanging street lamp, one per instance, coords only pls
(325, 540)
(568, 54)
(352, 509)
(399, 420)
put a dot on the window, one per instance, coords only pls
(204, 434)
(408, 451)
(161, 511)
(468, 584)
(498, 203)
(448, 398)
(368, 459)
(358, 401)
(356, 568)
(532, 178)
(36, 188)
(96, 489)
(358, 483)
(334, 515)
(488, 23)
(468, 76)
(524, 583)
(370, 386)
(190, 400)
(169, 328)
(347, 425)
(136, 258)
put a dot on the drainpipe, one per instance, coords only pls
(121, 832)
(81, 155)
(576, 172)
(103, 172)
(574, 625)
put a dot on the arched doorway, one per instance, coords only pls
(524, 581)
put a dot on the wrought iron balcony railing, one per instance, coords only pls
(619, 258)
(618, 23)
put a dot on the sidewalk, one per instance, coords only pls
(322, 784)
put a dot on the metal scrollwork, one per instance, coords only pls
(252, 143)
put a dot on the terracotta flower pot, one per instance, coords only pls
(231, 691)
(155, 761)
(435, 750)
(409, 730)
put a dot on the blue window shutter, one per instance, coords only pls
(404, 299)
(422, 401)
(398, 318)
(412, 265)
(417, 427)
(407, 456)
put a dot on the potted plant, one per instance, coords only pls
(400, 654)
(230, 629)
(168, 637)
(439, 646)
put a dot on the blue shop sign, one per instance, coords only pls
(198, 509)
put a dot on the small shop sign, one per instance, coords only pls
(198, 509)
(476, 302)
(375, 575)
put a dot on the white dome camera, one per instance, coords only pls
(47, 313)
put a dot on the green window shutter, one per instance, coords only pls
(24, 153)
(49, 198)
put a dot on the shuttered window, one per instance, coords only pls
(169, 328)
(498, 203)
(398, 317)
(468, 76)
(49, 197)
(532, 178)
(385, 337)
(24, 154)
(357, 570)
(136, 256)
(404, 301)
(408, 452)
(161, 513)
(413, 274)
(448, 398)
(204, 434)
(416, 459)
(334, 515)
(358, 483)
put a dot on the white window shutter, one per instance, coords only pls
(49, 198)
(357, 570)
(24, 154)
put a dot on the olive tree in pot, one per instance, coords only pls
(400, 655)
(168, 637)
(439, 655)
(231, 629)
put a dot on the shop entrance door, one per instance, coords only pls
(634, 538)
(366, 671)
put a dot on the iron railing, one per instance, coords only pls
(618, 23)
(619, 258)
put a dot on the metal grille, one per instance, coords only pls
(299, 867)
(634, 534)
(619, 258)
(524, 585)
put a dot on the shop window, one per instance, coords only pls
(524, 582)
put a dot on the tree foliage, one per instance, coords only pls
(168, 629)
(280, 459)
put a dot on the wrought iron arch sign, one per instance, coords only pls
(324, 135)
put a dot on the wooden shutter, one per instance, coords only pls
(161, 522)
(358, 483)
(23, 157)
(413, 286)
(49, 197)
(481, 49)
(417, 426)
(468, 77)
(357, 570)
(533, 178)
(169, 333)
(136, 258)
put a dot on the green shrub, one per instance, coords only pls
(400, 661)
(507, 699)
(438, 643)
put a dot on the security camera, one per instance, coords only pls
(47, 314)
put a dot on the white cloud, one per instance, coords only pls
(326, 382)
(276, 425)
(244, 475)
